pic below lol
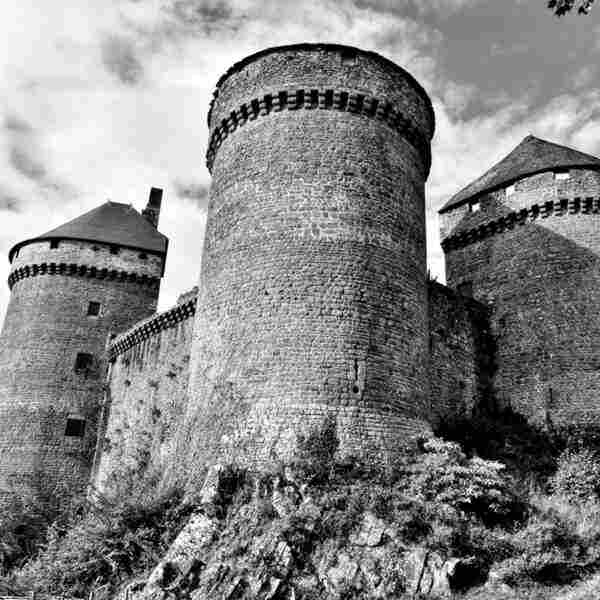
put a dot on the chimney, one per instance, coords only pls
(152, 210)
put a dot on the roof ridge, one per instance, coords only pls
(113, 223)
(530, 156)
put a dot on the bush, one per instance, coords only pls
(477, 487)
(101, 548)
(315, 453)
(577, 475)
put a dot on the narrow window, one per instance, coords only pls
(53, 244)
(349, 57)
(328, 98)
(466, 289)
(114, 249)
(510, 190)
(474, 206)
(75, 427)
(314, 98)
(561, 175)
(142, 255)
(83, 362)
(93, 309)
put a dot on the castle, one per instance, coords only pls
(313, 302)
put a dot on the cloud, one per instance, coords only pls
(28, 159)
(120, 58)
(16, 124)
(24, 154)
(202, 16)
(198, 192)
(9, 201)
(26, 164)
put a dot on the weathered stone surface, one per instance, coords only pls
(147, 393)
(185, 559)
(46, 326)
(312, 298)
(461, 353)
(537, 261)
(371, 531)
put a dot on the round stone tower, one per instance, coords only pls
(312, 297)
(524, 238)
(70, 288)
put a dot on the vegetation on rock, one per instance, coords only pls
(437, 521)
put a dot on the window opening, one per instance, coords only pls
(53, 244)
(93, 309)
(75, 427)
(466, 289)
(83, 362)
(349, 57)
(114, 249)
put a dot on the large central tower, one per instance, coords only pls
(312, 295)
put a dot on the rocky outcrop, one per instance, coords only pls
(271, 547)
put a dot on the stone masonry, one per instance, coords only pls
(67, 295)
(312, 297)
(313, 301)
(532, 253)
(145, 399)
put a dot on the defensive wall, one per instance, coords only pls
(531, 251)
(461, 354)
(145, 398)
(148, 378)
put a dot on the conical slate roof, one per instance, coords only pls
(109, 223)
(531, 156)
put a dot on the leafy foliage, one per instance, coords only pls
(315, 452)
(474, 486)
(102, 549)
(577, 475)
(562, 7)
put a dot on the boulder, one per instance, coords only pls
(185, 559)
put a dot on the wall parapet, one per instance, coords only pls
(151, 327)
(329, 99)
(76, 270)
(560, 207)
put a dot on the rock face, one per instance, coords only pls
(312, 297)
(273, 550)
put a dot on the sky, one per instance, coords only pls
(102, 99)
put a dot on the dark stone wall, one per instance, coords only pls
(312, 299)
(46, 326)
(534, 255)
(461, 354)
(146, 397)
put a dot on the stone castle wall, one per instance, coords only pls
(46, 326)
(461, 354)
(145, 400)
(312, 297)
(535, 255)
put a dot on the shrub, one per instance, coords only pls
(474, 486)
(315, 453)
(577, 475)
(104, 548)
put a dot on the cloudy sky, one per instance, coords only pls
(105, 98)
